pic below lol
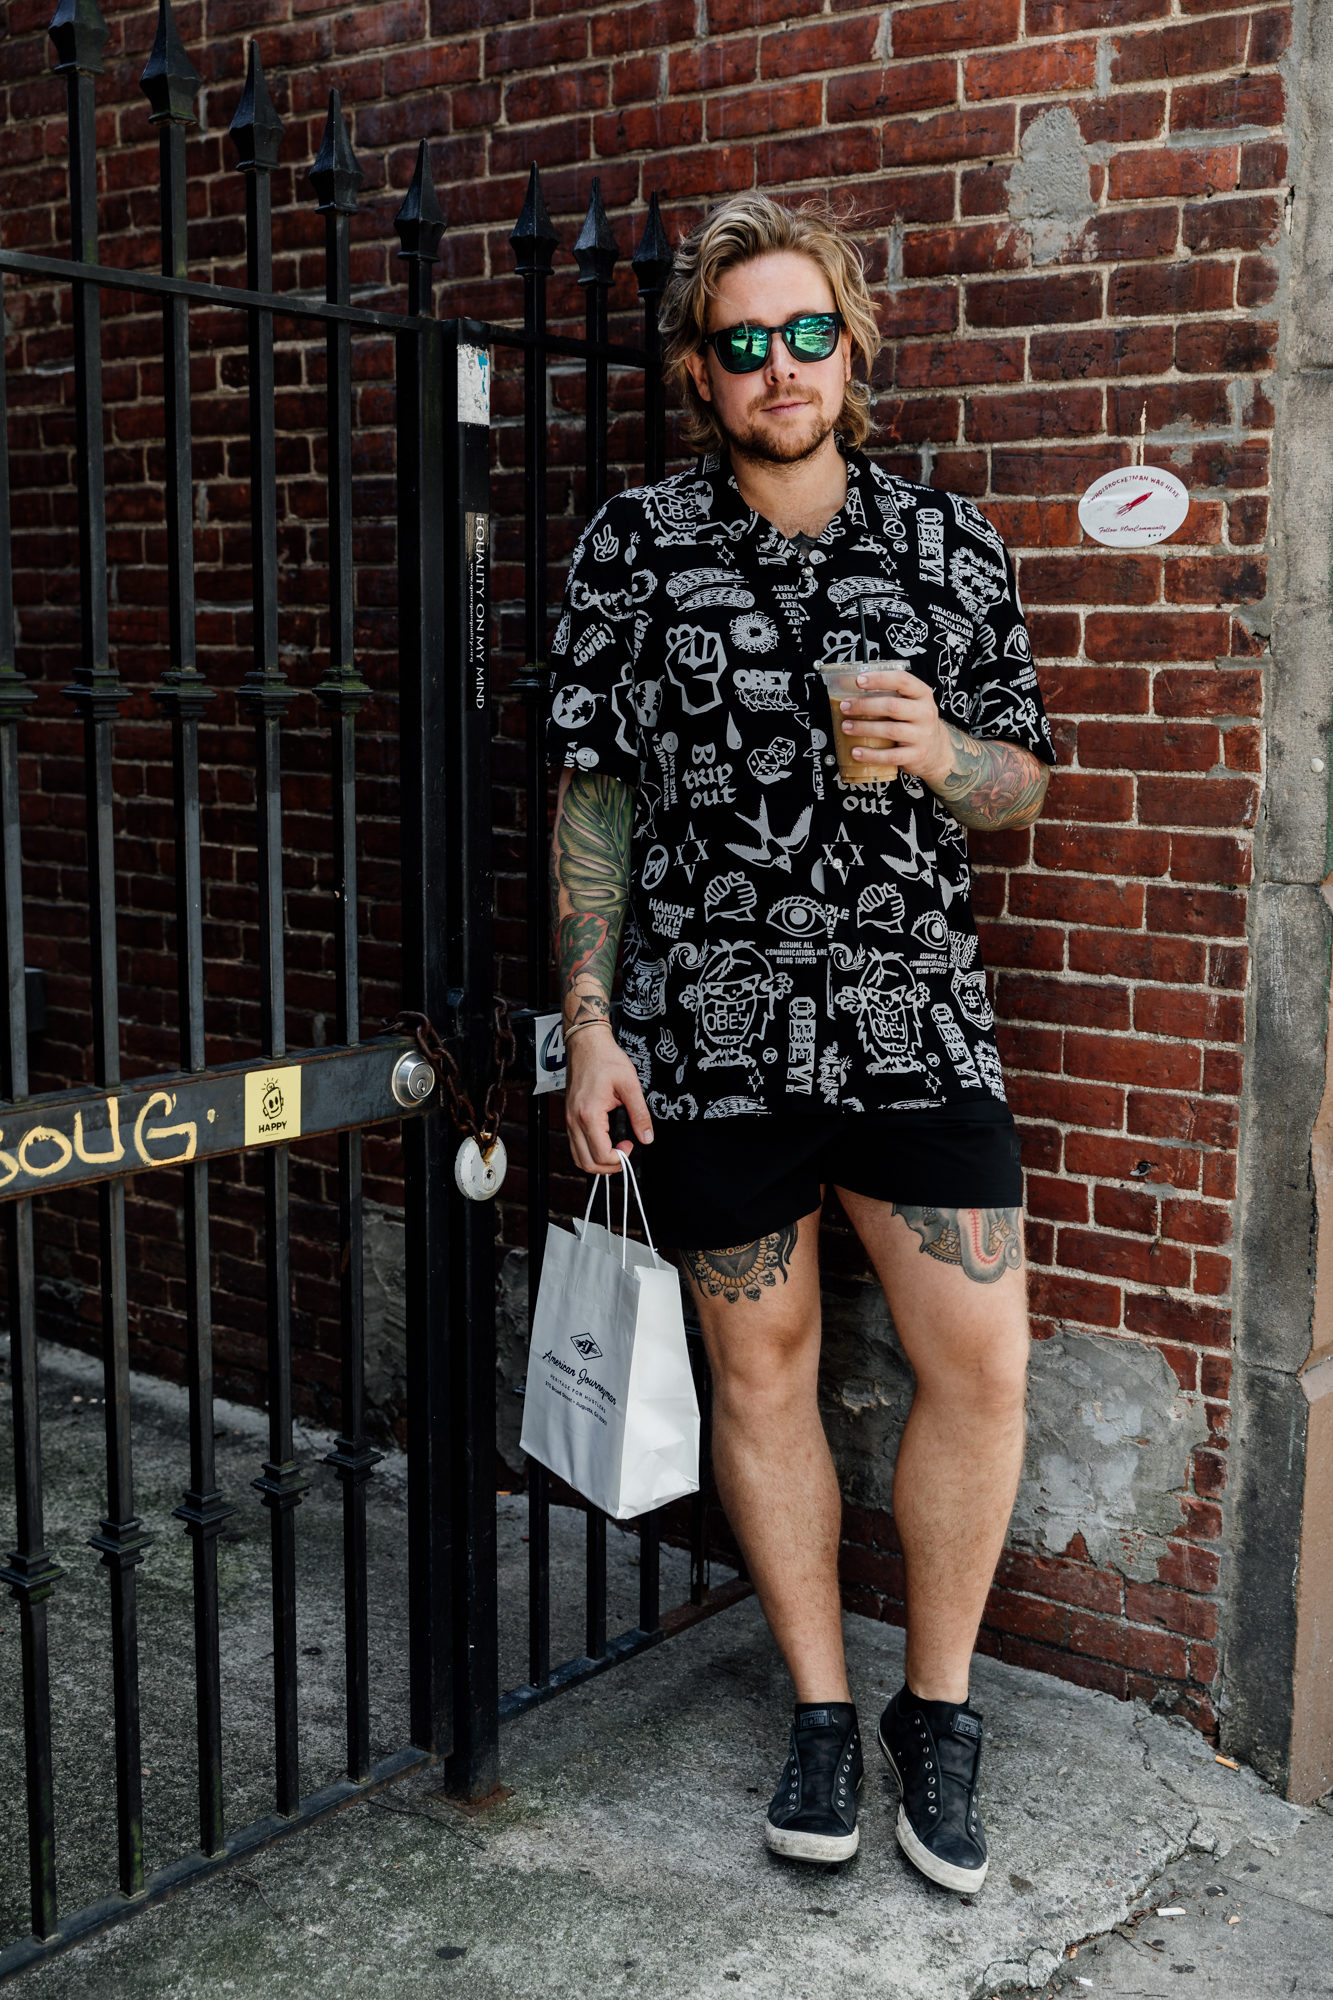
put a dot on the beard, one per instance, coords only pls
(771, 446)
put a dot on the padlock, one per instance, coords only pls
(479, 1175)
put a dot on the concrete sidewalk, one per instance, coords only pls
(627, 1856)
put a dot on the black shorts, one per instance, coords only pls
(712, 1183)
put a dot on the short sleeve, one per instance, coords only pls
(603, 624)
(1003, 696)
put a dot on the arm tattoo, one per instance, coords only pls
(744, 1267)
(985, 1241)
(590, 891)
(992, 784)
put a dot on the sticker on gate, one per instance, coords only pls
(272, 1105)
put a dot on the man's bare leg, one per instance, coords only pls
(961, 1454)
(759, 1308)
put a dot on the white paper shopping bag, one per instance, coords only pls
(610, 1404)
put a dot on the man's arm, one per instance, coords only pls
(589, 890)
(984, 783)
(990, 784)
(590, 881)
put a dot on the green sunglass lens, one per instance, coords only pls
(746, 348)
(813, 339)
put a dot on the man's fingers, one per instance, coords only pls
(631, 1096)
(884, 704)
(596, 1124)
(881, 679)
(870, 728)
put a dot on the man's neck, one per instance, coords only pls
(797, 499)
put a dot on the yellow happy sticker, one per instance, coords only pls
(272, 1105)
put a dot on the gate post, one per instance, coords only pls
(469, 911)
(421, 355)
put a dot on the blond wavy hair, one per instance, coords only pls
(738, 230)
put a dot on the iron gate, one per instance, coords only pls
(100, 1133)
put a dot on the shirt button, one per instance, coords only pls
(830, 760)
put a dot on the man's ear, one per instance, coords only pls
(698, 368)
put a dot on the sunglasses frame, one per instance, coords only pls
(715, 340)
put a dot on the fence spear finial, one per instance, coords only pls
(335, 173)
(595, 249)
(533, 239)
(420, 220)
(256, 130)
(170, 80)
(654, 257)
(80, 34)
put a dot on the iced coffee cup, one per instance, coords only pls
(839, 677)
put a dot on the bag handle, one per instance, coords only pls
(633, 1182)
(599, 1180)
(628, 1179)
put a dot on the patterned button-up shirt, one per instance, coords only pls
(792, 942)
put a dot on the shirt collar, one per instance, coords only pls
(728, 505)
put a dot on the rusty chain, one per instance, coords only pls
(461, 1109)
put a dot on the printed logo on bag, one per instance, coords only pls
(586, 1346)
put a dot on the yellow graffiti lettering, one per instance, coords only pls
(42, 1135)
(189, 1132)
(117, 1150)
(10, 1165)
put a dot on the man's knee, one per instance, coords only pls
(760, 1372)
(986, 1382)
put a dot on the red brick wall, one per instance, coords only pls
(1115, 928)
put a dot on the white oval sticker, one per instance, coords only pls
(1133, 506)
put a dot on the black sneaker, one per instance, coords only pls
(935, 1757)
(813, 1814)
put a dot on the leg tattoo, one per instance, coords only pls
(985, 1241)
(744, 1267)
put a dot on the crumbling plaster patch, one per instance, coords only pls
(1109, 1433)
(1050, 191)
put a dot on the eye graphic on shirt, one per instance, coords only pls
(931, 931)
(798, 917)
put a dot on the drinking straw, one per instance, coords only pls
(865, 643)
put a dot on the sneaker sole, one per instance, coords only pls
(793, 1845)
(946, 1873)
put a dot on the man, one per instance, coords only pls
(802, 1000)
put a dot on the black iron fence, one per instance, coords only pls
(100, 1133)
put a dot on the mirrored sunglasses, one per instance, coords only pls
(808, 337)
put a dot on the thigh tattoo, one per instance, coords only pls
(744, 1268)
(985, 1241)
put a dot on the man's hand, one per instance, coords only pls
(984, 782)
(896, 724)
(599, 1075)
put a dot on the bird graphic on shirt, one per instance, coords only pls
(777, 848)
